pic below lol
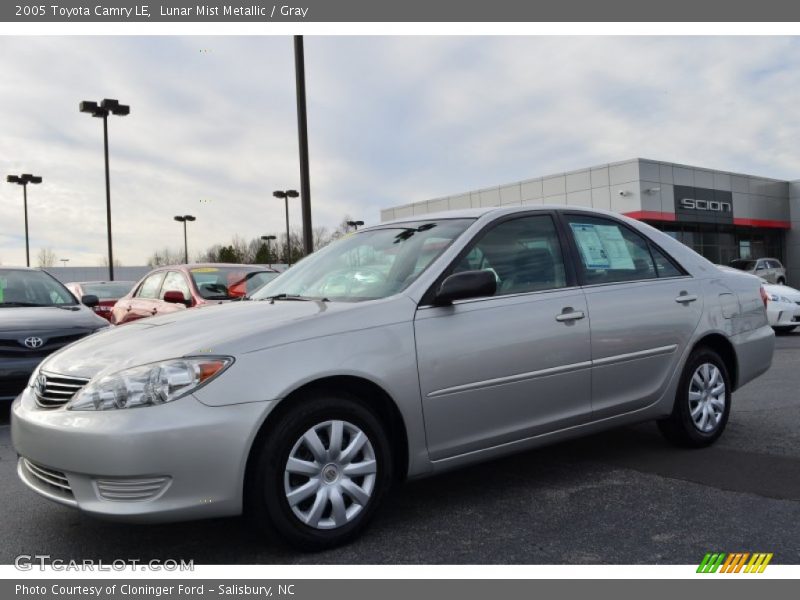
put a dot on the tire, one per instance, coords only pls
(312, 524)
(781, 281)
(681, 428)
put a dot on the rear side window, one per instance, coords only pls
(664, 266)
(610, 252)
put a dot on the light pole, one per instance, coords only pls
(268, 239)
(64, 261)
(302, 142)
(286, 194)
(24, 180)
(355, 224)
(185, 219)
(101, 111)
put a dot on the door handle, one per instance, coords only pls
(570, 315)
(685, 298)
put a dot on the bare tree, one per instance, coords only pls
(104, 262)
(165, 256)
(46, 258)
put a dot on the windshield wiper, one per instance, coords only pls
(285, 296)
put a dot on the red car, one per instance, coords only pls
(168, 289)
(108, 292)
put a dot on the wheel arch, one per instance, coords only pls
(370, 394)
(722, 346)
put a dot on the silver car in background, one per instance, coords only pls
(400, 351)
(769, 269)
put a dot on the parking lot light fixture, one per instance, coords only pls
(355, 224)
(286, 194)
(268, 239)
(185, 219)
(24, 180)
(102, 110)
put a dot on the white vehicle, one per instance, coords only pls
(783, 307)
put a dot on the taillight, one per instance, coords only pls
(764, 296)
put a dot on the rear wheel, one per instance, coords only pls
(781, 281)
(702, 403)
(321, 472)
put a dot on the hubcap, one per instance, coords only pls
(330, 474)
(707, 397)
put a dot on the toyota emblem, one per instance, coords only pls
(33, 342)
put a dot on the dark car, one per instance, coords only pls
(178, 287)
(38, 316)
(107, 292)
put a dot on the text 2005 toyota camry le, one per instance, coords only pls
(400, 351)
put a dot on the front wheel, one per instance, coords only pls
(321, 472)
(702, 403)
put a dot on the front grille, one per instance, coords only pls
(53, 391)
(12, 386)
(16, 348)
(47, 480)
(131, 490)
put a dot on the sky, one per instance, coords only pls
(213, 126)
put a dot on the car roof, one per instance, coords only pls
(495, 211)
(189, 267)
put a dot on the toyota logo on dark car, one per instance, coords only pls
(33, 342)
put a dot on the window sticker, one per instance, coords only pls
(602, 247)
(591, 246)
(616, 248)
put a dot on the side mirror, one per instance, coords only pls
(467, 284)
(175, 297)
(90, 300)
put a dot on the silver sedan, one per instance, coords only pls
(401, 351)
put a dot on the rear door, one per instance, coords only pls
(514, 365)
(643, 306)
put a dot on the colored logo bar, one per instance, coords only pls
(736, 562)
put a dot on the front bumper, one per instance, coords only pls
(181, 460)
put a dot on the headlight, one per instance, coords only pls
(149, 385)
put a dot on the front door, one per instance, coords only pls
(511, 366)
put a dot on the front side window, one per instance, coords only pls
(371, 264)
(150, 286)
(175, 282)
(31, 288)
(610, 252)
(524, 255)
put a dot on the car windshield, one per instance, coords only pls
(370, 264)
(228, 283)
(743, 265)
(111, 290)
(32, 288)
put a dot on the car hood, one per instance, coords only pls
(23, 319)
(229, 329)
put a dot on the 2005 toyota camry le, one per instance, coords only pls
(400, 351)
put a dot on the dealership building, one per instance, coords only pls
(719, 214)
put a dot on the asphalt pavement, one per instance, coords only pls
(623, 497)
